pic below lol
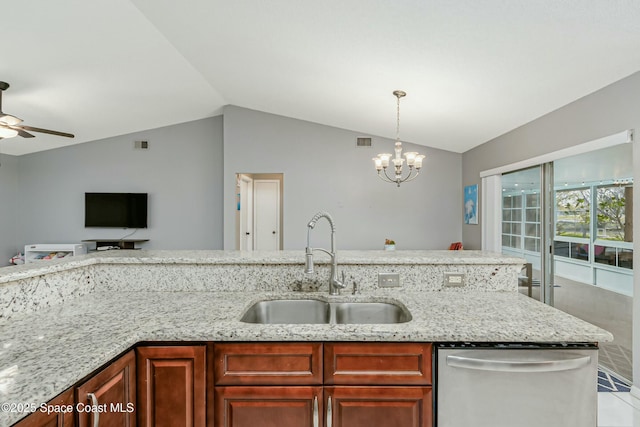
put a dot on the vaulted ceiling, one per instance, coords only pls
(473, 69)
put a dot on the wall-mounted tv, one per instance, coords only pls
(121, 210)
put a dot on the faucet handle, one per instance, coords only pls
(343, 279)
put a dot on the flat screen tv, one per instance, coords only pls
(121, 210)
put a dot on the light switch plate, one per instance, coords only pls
(389, 280)
(453, 279)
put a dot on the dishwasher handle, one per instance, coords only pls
(493, 363)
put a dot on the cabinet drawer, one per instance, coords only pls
(266, 406)
(354, 406)
(377, 363)
(268, 364)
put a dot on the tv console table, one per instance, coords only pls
(122, 244)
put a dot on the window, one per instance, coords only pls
(521, 221)
(614, 234)
(573, 213)
(610, 234)
(511, 221)
(532, 222)
(611, 210)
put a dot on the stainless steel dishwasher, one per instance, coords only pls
(516, 385)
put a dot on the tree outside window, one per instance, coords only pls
(612, 235)
(573, 208)
(611, 211)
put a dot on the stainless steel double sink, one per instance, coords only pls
(313, 311)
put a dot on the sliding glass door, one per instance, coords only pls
(580, 209)
(521, 224)
(593, 246)
(569, 214)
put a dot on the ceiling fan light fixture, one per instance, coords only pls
(11, 126)
(8, 119)
(7, 132)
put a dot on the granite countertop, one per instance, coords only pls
(220, 257)
(63, 320)
(45, 353)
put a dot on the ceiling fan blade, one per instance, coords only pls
(24, 133)
(51, 132)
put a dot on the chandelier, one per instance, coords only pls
(414, 160)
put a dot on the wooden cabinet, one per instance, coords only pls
(361, 385)
(378, 384)
(268, 364)
(110, 395)
(172, 384)
(267, 406)
(268, 385)
(377, 363)
(62, 417)
(369, 406)
(255, 384)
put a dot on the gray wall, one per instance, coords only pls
(610, 110)
(183, 174)
(324, 170)
(181, 171)
(8, 207)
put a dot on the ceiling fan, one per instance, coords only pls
(10, 125)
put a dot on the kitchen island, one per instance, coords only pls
(63, 320)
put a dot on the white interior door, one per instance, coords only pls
(266, 198)
(246, 213)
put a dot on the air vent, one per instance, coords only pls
(363, 142)
(141, 145)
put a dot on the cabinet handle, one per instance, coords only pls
(96, 414)
(329, 413)
(316, 416)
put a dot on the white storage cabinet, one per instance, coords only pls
(34, 253)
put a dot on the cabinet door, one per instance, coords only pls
(172, 386)
(109, 395)
(265, 406)
(378, 406)
(55, 419)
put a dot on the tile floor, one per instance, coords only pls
(618, 410)
(616, 358)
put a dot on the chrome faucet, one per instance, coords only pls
(334, 284)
